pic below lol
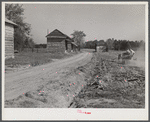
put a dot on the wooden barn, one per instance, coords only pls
(9, 38)
(59, 42)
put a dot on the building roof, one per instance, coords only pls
(56, 33)
(10, 22)
(70, 40)
(74, 44)
(101, 43)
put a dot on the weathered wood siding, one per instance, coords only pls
(56, 45)
(74, 48)
(9, 41)
(69, 47)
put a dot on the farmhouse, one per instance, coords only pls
(59, 42)
(9, 38)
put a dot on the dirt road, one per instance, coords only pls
(38, 86)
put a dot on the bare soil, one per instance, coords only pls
(113, 84)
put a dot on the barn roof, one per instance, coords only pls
(70, 40)
(10, 22)
(56, 34)
(101, 43)
(74, 44)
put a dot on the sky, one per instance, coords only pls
(97, 21)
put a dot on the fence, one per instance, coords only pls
(40, 50)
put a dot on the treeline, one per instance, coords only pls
(123, 44)
(115, 44)
(40, 45)
(92, 44)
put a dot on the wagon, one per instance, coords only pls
(125, 57)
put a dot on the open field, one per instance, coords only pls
(112, 84)
(86, 80)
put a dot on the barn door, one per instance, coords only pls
(66, 45)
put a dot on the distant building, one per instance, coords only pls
(59, 42)
(9, 38)
(100, 45)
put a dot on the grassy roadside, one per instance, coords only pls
(34, 59)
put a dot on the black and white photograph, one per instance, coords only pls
(77, 59)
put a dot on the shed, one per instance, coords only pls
(59, 42)
(9, 38)
(101, 45)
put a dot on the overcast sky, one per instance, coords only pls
(96, 21)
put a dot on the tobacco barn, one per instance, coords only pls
(9, 38)
(59, 42)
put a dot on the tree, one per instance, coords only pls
(110, 43)
(128, 46)
(14, 13)
(101, 41)
(115, 45)
(31, 44)
(95, 41)
(106, 47)
(119, 44)
(78, 37)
